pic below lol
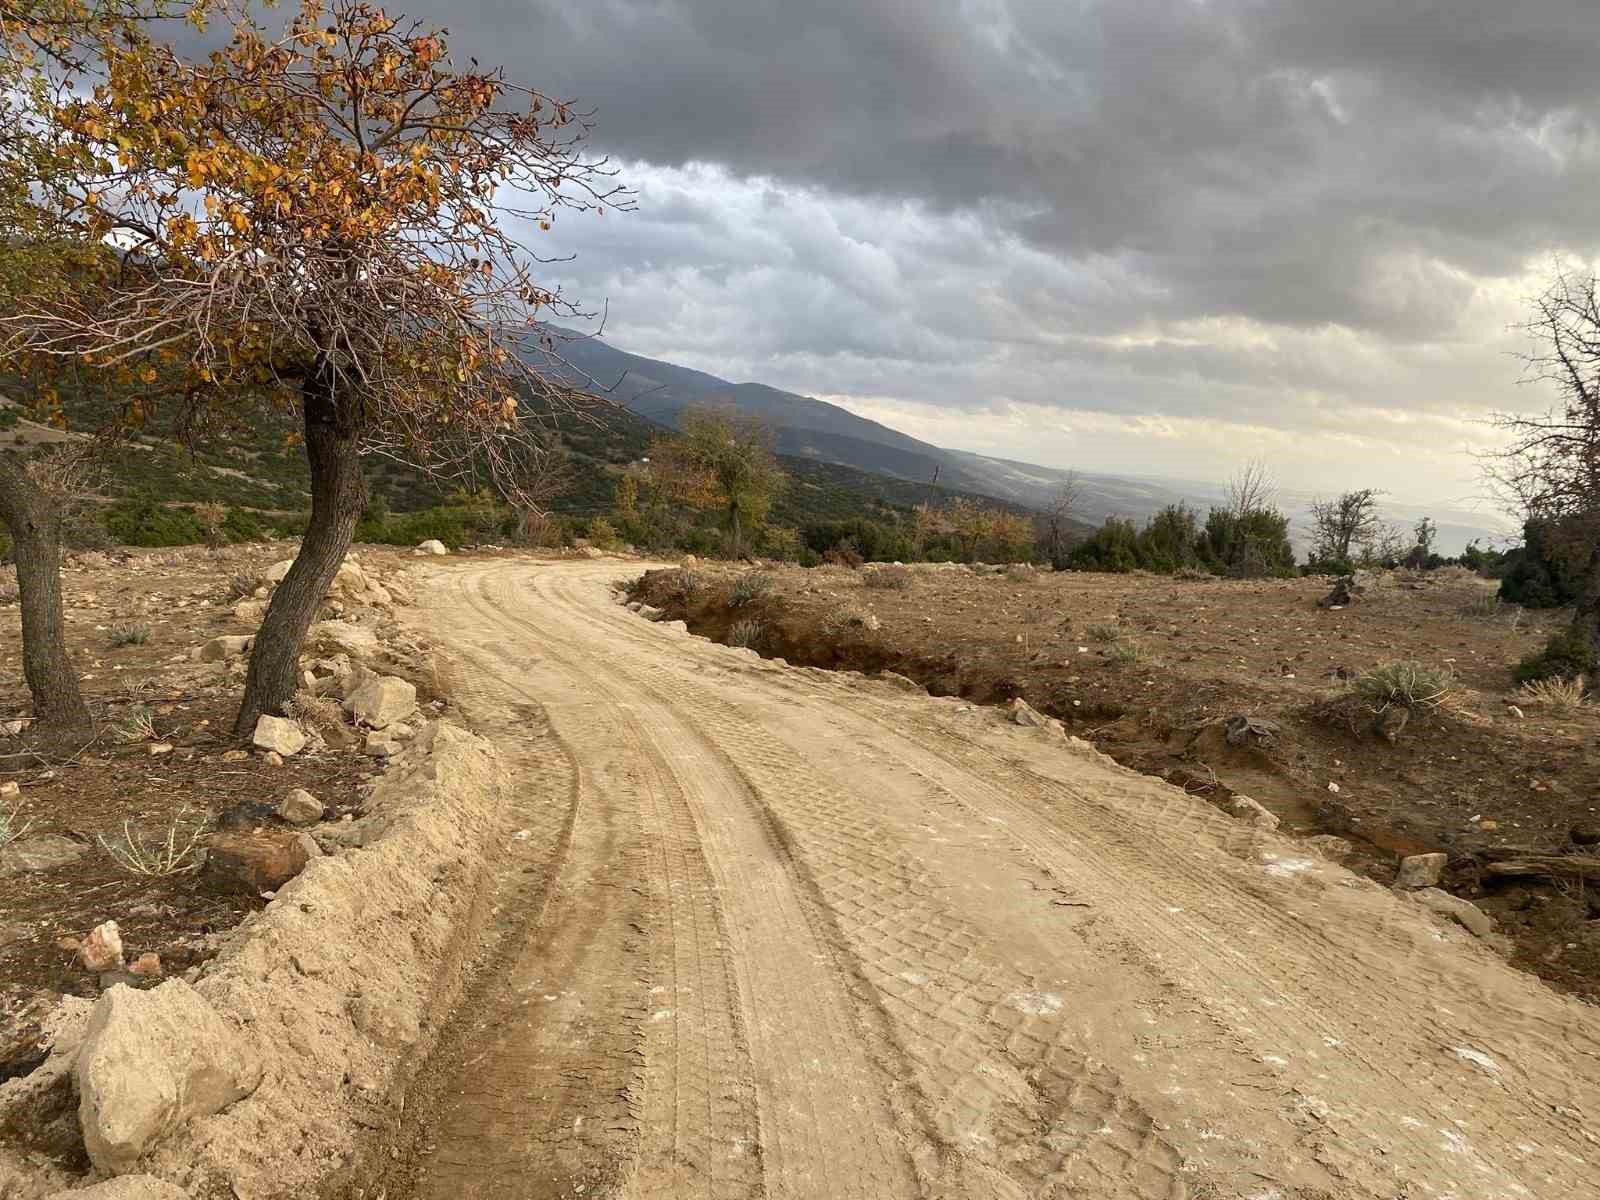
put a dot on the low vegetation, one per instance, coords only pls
(174, 851)
(1555, 693)
(1411, 685)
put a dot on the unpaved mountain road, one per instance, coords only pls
(804, 935)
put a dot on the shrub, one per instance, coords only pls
(890, 578)
(1103, 633)
(241, 585)
(242, 525)
(130, 635)
(1410, 685)
(1329, 566)
(602, 534)
(749, 588)
(172, 854)
(1567, 655)
(1125, 653)
(146, 523)
(82, 529)
(746, 633)
(1560, 695)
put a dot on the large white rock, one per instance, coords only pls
(151, 1062)
(382, 700)
(432, 546)
(300, 807)
(279, 734)
(351, 579)
(126, 1187)
(276, 572)
(355, 640)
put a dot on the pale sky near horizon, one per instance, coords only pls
(1144, 236)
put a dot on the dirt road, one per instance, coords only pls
(807, 935)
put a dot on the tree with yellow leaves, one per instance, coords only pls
(332, 210)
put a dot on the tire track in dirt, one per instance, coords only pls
(1025, 1112)
(1372, 964)
(929, 954)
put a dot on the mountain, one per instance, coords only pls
(806, 428)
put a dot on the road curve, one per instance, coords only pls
(807, 935)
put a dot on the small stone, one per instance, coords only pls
(158, 749)
(300, 807)
(400, 731)
(1252, 812)
(381, 745)
(276, 572)
(272, 758)
(432, 546)
(648, 611)
(1463, 912)
(1331, 847)
(235, 756)
(1024, 714)
(1421, 870)
(1516, 712)
(249, 863)
(10, 728)
(219, 649)
(147, 965)
(280, 734)
(102, 949)
(10, 790)
(870, 621)
(249, 612)
(41, 852)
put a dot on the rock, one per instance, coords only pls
(1391, 721)
(351, 579)
(355, 640)
(353, 680)
(235, 756)
(1516, 712)
(1331, 847)
(648, 611)
(151, 1062)
(279, 734)
(432, 546)
(1252, 812)
(1463, 912)
(126, 1187)
(1585, 834)
(1242, 729)
(148, 965)
(272, 758)
(220, 649)
(245, 814)
(1023, 713)
(871, 622)
(41, 852)
(10, 790)
(381, 701)
(300, 807)
(158, 749)
(102, 949)
(904, 683)
(309, 844)
(376, 593)
(249, 612)
(382, 745)
(384, 1022)
(400, 731)
(252, 862)
(11, 728)
(276, 572)
(1420, 870)
(1346, 591)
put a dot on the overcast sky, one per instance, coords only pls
(1154, 236)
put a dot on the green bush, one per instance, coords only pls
(146, 523)
(1567, 655)
(749, 588)
(1547, 570)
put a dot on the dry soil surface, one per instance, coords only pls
(803, 934)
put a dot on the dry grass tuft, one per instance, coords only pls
(889, 578)
(745, 634)
(171, 854)
(1555, 693)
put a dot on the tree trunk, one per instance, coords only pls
(1586, 613)
(338, 497)
(738, 536)
(34, 520)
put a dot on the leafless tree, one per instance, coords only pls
(1549, 469)
(1058, 520)
(1344, 524)
(1250, 489)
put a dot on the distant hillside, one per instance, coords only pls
(813, 429)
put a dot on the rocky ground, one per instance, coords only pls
(128, 860)
(1152, 670)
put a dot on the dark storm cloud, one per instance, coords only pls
(1260, 211)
